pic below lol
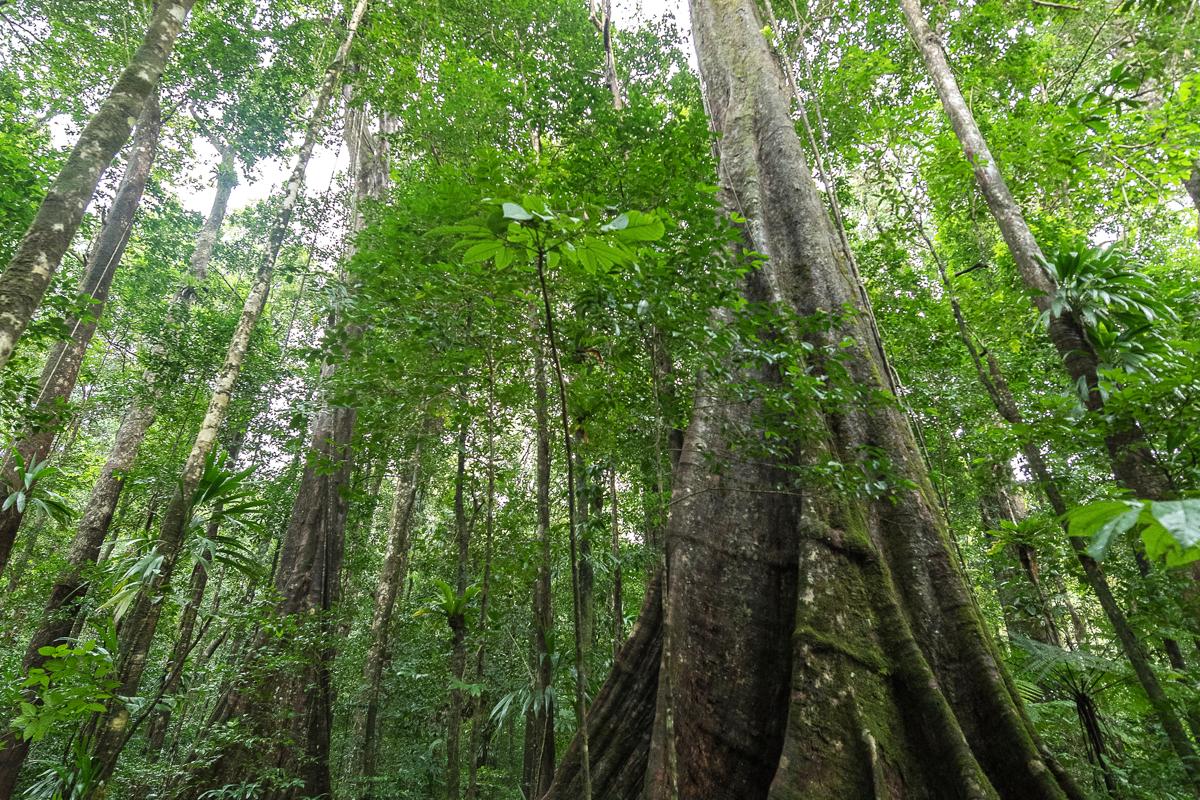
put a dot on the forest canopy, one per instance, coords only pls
(542, 399)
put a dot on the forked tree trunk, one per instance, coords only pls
(539, 760)
(65, 359)
(1133, 462)
(820, 645)
(309, 522)
(28, 274)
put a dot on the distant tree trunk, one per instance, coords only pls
(330, 435)
(878, 679)
(62, 366)
(392, 575)
(988, 371)
(28, 274)
(538, 770)
(1192, 184)
(600, 14)
(458, 623)
(1133, 461)
(1018, 583)
(618, 589)
(585, 498)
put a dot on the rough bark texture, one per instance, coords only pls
(621, 716)
(1133, 461)
(539, 760)
(28, 274)
(895, 688)
(331, 432)
(65, 359)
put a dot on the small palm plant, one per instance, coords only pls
(27, 490)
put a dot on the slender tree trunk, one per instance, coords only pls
(618, 588)
(62, 366)
(174, 668)
(538, 772)
(994, 382)
(330, 433)
(480, 727)
(1018, 583)
(458, 624)
(392, 574)
(573, 536)
(1133, 461)
(585, 495)
(28, 274)
(1192, 184)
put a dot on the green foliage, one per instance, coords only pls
(27, 493)
(69, 687)
(1169, 529)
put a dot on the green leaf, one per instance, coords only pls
(639, 227)
(516, 212)
(1174, 533)
(482, 251)
(1115, 526)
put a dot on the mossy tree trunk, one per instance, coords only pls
(28, 274)
(66, 357)
(309, 559)
(816, 643)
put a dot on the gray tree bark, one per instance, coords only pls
(307, 574)
(1133, 461)
(28, 274)
(61, 370)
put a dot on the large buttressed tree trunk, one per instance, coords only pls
(816, 643)
(65, 359)
(28, 274)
